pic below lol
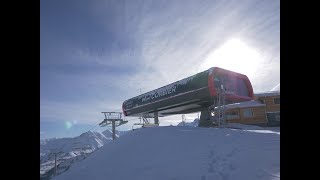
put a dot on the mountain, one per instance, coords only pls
(185, 152)
(70, 150)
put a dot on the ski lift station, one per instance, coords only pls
(201, 92)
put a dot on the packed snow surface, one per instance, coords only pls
(185, 153)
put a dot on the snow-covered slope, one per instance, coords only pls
(185, 153)
(70, 150)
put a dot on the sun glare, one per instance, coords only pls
(236, 56)
(68, 124)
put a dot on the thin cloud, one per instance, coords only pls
(82, 113)
(153, 43)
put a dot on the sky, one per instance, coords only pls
(96, 54)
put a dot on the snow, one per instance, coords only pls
(185, 153)
(245, 104)
(269, 93)
(257, 129)
(93, 139)
(73, 149)
(276, 88)
(263, 131)
(210, 70)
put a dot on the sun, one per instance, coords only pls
(236, 56)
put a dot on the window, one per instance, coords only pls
(247, 113)
(276, 100)
(232, 115)
(273, 118)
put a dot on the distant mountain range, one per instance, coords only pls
(70, 150)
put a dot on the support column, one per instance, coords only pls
(205, 119)
(55, 164)
(113, 129)
(156, 118)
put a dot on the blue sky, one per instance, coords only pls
(96, 54)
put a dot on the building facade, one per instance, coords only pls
(272, 102)
(264, 110)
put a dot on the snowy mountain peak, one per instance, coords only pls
(71, 150)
